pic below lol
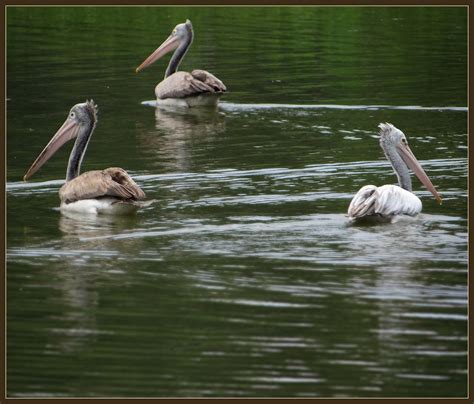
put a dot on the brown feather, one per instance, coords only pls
(114, 182)
(184, 84)
(209, 79)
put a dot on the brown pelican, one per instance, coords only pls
(182, 88)
(107, 191)
(389, 201)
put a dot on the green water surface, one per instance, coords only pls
(242, 278)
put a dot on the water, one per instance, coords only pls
(243, 277)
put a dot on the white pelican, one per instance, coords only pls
(389, 201)
(182, 88)
(108, 191)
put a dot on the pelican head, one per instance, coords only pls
(79, 124)
(183, 30)
(395, 146)
(390, 135)
(181, 37)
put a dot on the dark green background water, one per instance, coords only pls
(243, 278)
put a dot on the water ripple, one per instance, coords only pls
(232, 107)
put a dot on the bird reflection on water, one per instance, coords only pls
(175, 130)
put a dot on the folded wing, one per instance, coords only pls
(184, 84)
(385, 201)
(113, 182)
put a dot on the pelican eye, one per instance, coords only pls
(404, 141)
(72, 115)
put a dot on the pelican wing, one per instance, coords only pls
(363, 203)
(209, 79)
(114, 182)
(184, 84)
(385, 201)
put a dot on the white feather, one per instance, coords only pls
(191, 101)
(109, 206)
(384, 202)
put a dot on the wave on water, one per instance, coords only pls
(228, 106)
(232, 107)
(320, 170)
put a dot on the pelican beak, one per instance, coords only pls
(171, 43)
(66, 132)
(410, 160)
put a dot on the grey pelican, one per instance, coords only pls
(102, 191)
(389, 201)
(182, 88)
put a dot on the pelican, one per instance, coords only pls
(387, 202)
(184, 89)
(110, 191)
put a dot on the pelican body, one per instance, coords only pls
(387, 202)
(198, 88)
(110, 191)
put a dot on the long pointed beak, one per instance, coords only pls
(66, 132)
(410, 160)
(171, 43)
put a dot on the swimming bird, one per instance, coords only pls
(180, 88)
(389, 201)
(110, 191)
